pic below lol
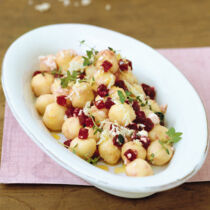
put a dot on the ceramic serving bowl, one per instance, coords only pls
(185, 110)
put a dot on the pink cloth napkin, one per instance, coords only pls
(23, 162)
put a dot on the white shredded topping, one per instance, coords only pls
(154, 118)
(142, 133)
(86, 108)
(43, 7)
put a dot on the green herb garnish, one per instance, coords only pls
(82, 42)
(128, 95)
(164, 147)
(111, 49)
(121, 96)
(141, 102)
(152, 156)
(174, 136)
(69, 78)
(95, 127)
(161, 117)
(57, 72)
(73, 149)
(93, 160)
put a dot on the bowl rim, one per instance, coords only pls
(92, 179)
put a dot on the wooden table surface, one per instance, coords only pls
(159, 23)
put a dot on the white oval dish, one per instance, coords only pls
(186, 112)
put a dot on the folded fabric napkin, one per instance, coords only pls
(24, 162)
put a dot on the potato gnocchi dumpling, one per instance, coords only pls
(53, 116)
(41, 83)
(42, 101)
(83, 148)
(159, 153)
(139, 167)
(71, 127)
(102, 111)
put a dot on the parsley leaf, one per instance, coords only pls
(152, 156)
(164, 147)
(111, 49)
(82, 42)
(121, 96)
(141, 102)
(128, 94)
(57, 72)
(174, 136)
(69, 78)
(161, 117)
(93, 160)
(95, 127)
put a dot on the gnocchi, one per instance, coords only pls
(104, 114)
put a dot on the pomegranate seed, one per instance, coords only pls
(148, 124)
(67, 142)
(106, 65)
(145, 141)
(102, 90)
(131, 154)
(99, 104)
(83, 133)
(89, 122)
(109, 103)
(118, 140)
(140, 117)
(149, 91)
(36, 72)
(124, 64)
(136, 106)
(61, 100)
(70, 111)
(133, 126)
(121, 84)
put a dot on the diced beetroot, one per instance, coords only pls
(83, 133)
(109, 103)
(131, 154)
(145, 141)
(148, 124)
(82, 118)
(96, 153)
(100, 104)
(102, 90)
(36, 72)
(132, 126)
(70, 111)
(121, 84)
(106, 65)
(118, 140)
(77, 111)
(136, 106)
(67, 142)
(61, 100)
(140, 117)
(89, 122)
(82, 75)
(149, 91)
(124, 64)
